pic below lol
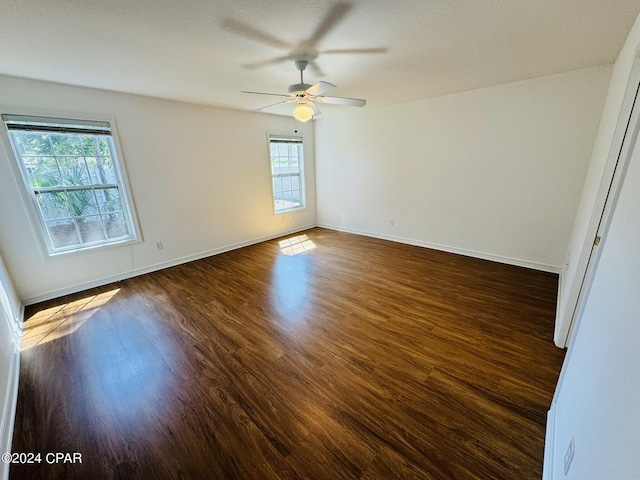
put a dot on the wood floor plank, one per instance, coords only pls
(357, 358)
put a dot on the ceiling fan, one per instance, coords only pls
(308, 96)
(307, 49)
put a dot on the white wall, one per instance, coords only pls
(597, 400)
(10, 319)
(199, 177)
(495, 173)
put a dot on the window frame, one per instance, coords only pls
(26, 189)
(301, 172)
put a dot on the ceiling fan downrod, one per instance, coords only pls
(300, 87)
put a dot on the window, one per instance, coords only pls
(74, 180)
(287, 176)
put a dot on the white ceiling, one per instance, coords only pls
(200, 51)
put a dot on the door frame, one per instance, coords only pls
(622, 148)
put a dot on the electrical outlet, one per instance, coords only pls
(391, 222)
(568, 457)
(158, 245)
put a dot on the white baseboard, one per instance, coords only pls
(9, 403)
(158, 266)
(549, 444)
(460, 251)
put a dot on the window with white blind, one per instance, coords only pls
(287, 173)
(74, 181)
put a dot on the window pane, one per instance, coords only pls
(42, 171)
(53, 205)
(116, 225)
(100, 170)
(277, 186)
(87, 145)
(108, 200)
(295, 182)
(91, 229)
(103, 145)
(63, 233)
(66, 144)
(82, 202)
(31, 143)
(108, 169)
(73, 171)
(94, 175)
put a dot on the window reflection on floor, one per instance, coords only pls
(290, 277)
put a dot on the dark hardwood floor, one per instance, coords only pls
(356, 358)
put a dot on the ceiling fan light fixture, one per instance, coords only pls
(303, 112)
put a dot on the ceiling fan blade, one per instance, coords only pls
(350, 102)
(253, 33)
(263, 93)
(354, 50)
(267, 63)
(274, 104)
(316, 68)
(330, 20)
(319, 88)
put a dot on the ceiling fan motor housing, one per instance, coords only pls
(305, 95)
(301, 64)
(298, 87)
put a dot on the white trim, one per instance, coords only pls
(158, 266)
(16, 329)
(9, 411)
(549, 444)
(460, 251)
(12, 322)
(558, 341)
(10, 400)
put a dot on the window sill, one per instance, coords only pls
(92, 249)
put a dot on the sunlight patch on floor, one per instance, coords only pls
(55, 322)
(296, 245)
